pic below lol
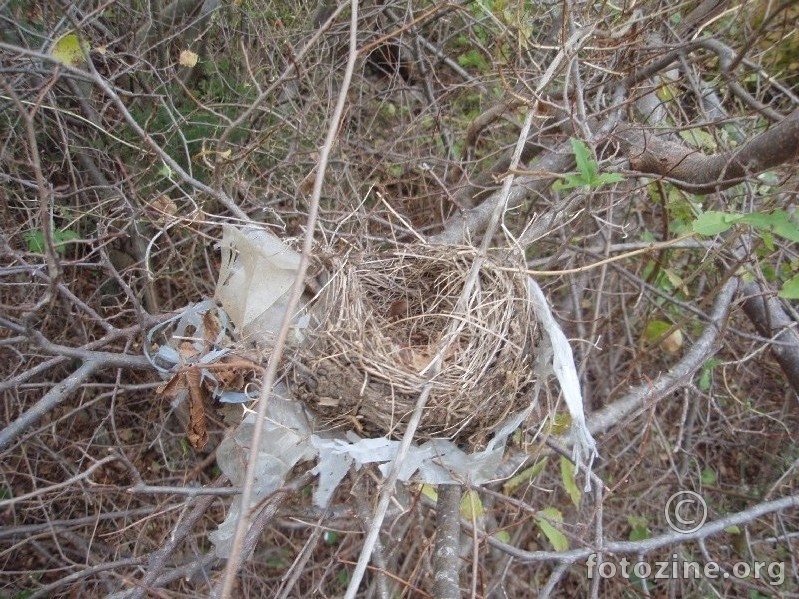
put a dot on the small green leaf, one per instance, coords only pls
(699, 139)
(343, 577)
(713, 222)
(587, 170)
(430, 492)
(544, 518)
(606, 179)
(471, 507)
(586, 164)
(165, 171)
(706, 373)
(35, 240)
(503, 536)
(524, 476)
(790, 288)
(331, 537)
(768, 241)
(733, 530)
(69, 49)
(567, 477)
(639, 528)
(655, 330)
(571, 182)
(786, 228)
(561, 423)
(708, 476)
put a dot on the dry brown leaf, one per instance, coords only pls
(198, 430)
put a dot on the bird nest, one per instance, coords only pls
(381, 321)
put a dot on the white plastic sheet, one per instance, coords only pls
(255, 278)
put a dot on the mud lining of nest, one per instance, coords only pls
(382, 318)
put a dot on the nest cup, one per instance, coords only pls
(380, 321)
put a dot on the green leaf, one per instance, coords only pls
(778, 222)
(331, 537)
(561, 423)
(733, 530)
(471, 507)
(165, 171)
(430, 492)
(786, 229)
(639, 528)
(588, 170)
(655, 330)
(571, 181)
(706, 372)
(503, 536)
(524, 476)
(586, 164)
(567, 477)
(790, 288)
(544, 518)
(714, 222)
(69, 49)
(699, 139)
(606, 179)
(708, 476)
(35, 240)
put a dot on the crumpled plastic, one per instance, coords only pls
(255, 278)
(258, 269)
(284, 443)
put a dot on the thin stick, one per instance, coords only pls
(235, 559)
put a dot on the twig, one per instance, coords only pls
(59, 393)
(186, 491)
(159, 558)
(47, 591)
(71, 480)
(647, 546)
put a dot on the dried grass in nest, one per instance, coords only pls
(382, 318)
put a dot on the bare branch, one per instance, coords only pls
(446, 558)
(700, 173)
(768, 314)
(59, 393)
(679, 376)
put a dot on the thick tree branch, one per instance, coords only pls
(700, 173)
(446, 559)
(769, 317)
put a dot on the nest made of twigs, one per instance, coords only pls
(382, 318)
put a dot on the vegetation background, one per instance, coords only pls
(652, 194)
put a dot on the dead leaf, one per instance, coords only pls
(198, 429)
